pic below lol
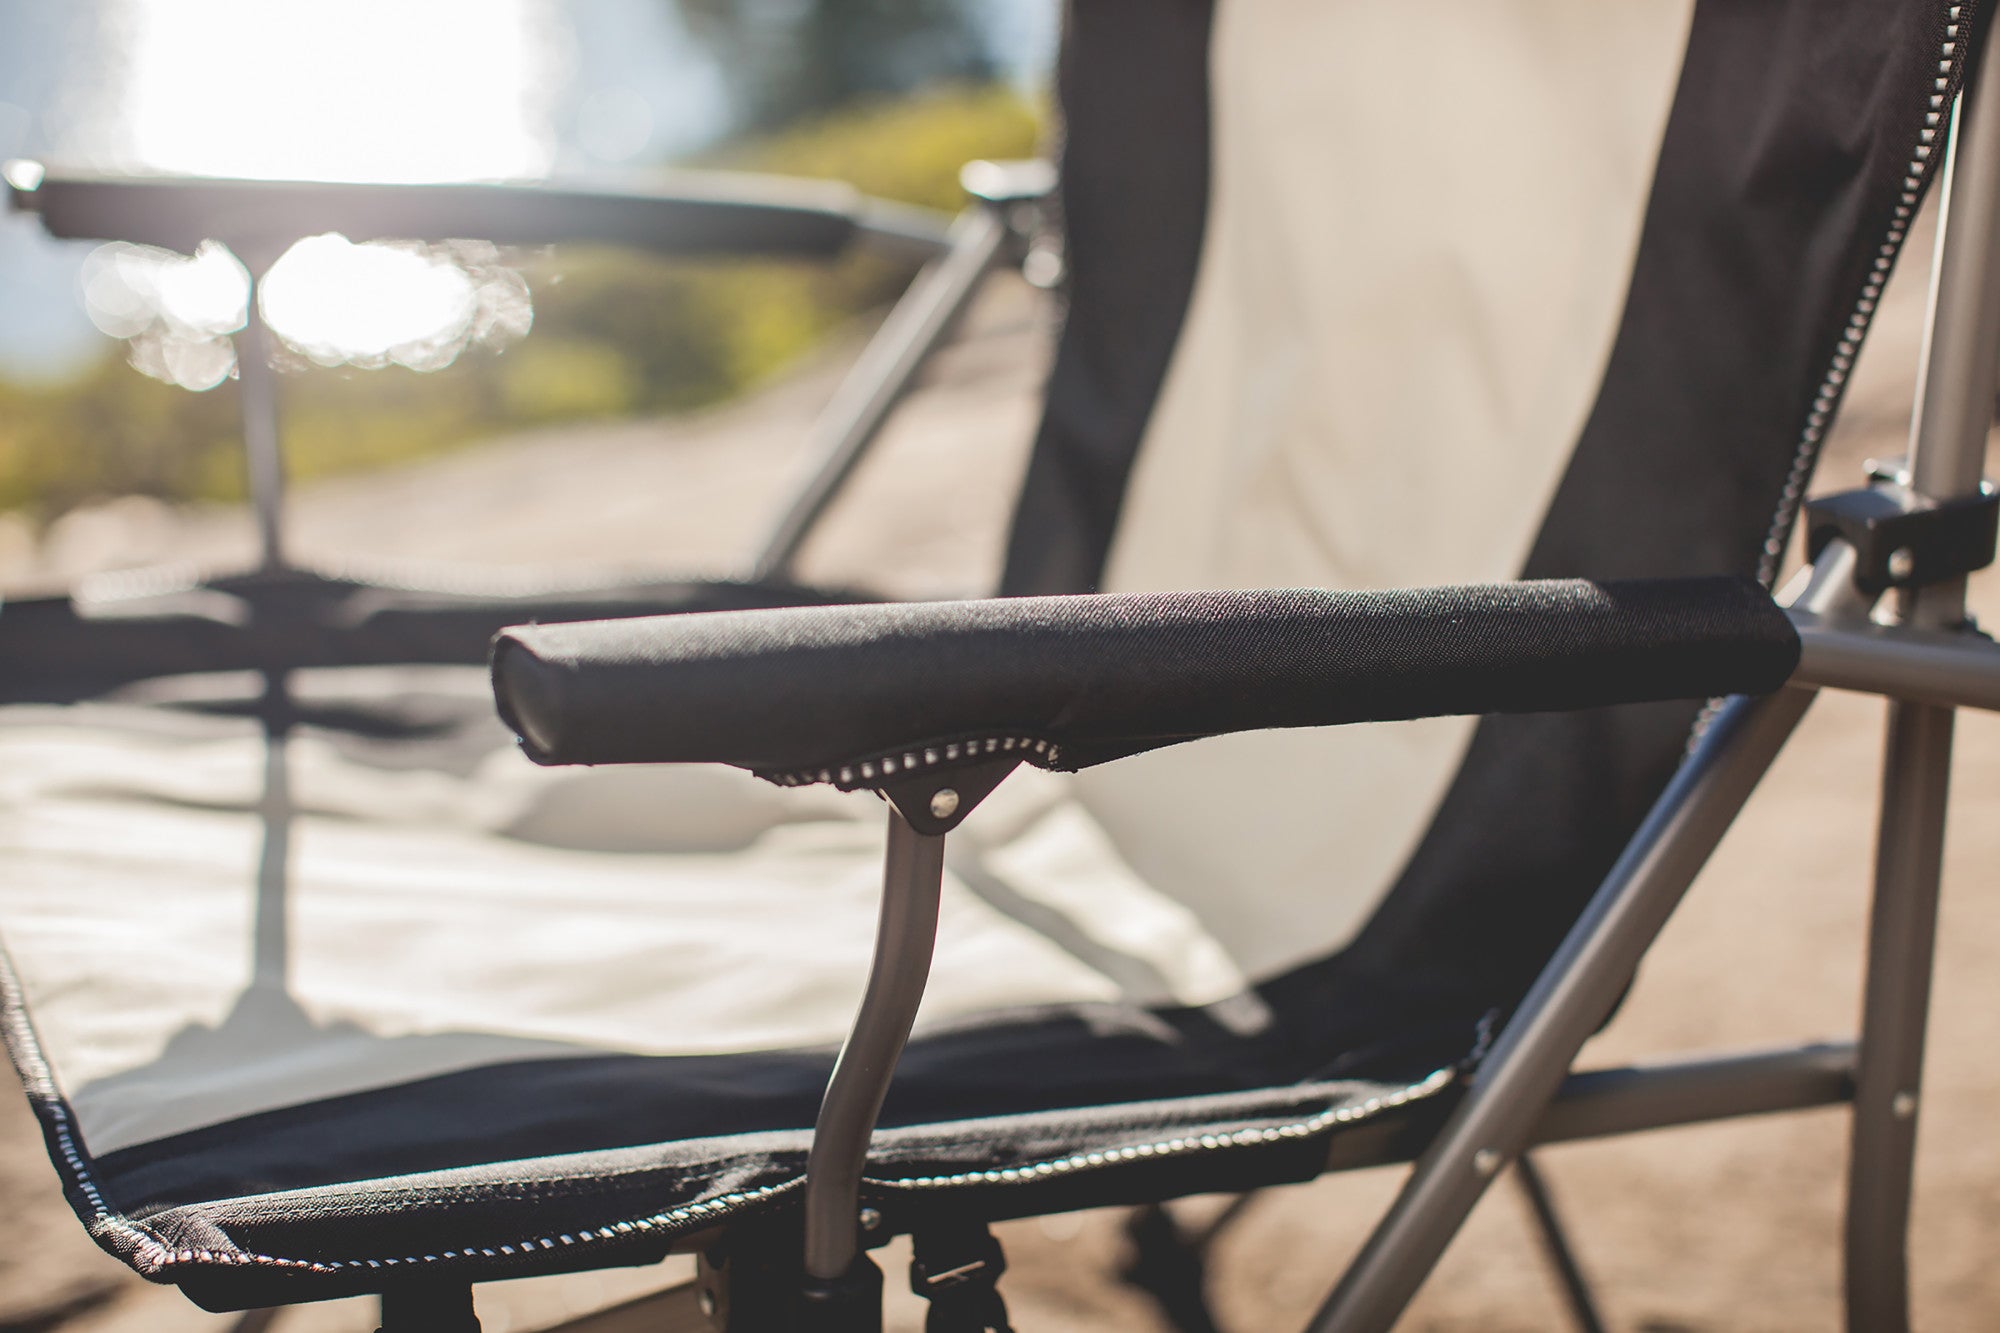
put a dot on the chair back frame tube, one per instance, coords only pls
(1955, 390)
(919, 323)
(906, 933)
(1596, 961)
(263, 451)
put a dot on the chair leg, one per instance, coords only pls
(1902, 940)
(1555, 1243)
(1515, 1082)
(256, 1321)
(443, 1307)
(1172, 1267)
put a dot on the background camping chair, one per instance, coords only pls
(276, 614)
(1291, 947)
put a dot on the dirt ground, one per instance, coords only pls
(1720, 1227)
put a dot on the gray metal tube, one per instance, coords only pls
(915, 328)
(1597, 1103)
(905, 935)
(1575, 991)
(1961, 353)
(271, 934)
(1902, 937)
(1961, 362)
(1596, 961)
(901, 232)
(257, 392)
(1959, 668)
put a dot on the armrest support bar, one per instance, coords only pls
(1957, 668)
(851, 694)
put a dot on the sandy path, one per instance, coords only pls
(1722, 1227)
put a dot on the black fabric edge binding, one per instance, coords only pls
(1288, 1145)
(115, 1233)
(190, 1246)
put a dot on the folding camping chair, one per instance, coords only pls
(280, 615)
(1291, 947)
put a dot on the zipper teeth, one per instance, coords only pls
(1951, 60)
(1033, 1172)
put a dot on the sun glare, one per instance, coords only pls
(371, 305)
(362, 90)
(177, 311)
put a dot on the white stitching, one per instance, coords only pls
(862, 773)
(611, 1231)
(1828, 396)
(1436, 1082)
(159, 1258)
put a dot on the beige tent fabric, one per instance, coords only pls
(1418, 251)
(435, 922)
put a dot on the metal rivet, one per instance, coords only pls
(870, 1218)
(1486, 1162)
(1902, 563)
(1903, 1105)
(944, 803)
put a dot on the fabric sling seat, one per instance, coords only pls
(430, 1020)
(1564, 296)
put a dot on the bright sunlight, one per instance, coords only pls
(360, 90)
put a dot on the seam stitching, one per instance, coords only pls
(1037, 750)
(1435, 1082)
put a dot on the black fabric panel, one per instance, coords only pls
(1003, 1064)
(1780, 174)
(1133, 87)
(626, 1206)
(54, 651)
(483, 1158)
(1089, 678)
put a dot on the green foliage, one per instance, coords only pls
(909, 151)
(614, 333)
(786, 62)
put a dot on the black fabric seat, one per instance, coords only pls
(625, 1153)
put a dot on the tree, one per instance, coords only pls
(787, 59)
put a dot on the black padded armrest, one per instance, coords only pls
(688, 213)
(848, 694)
